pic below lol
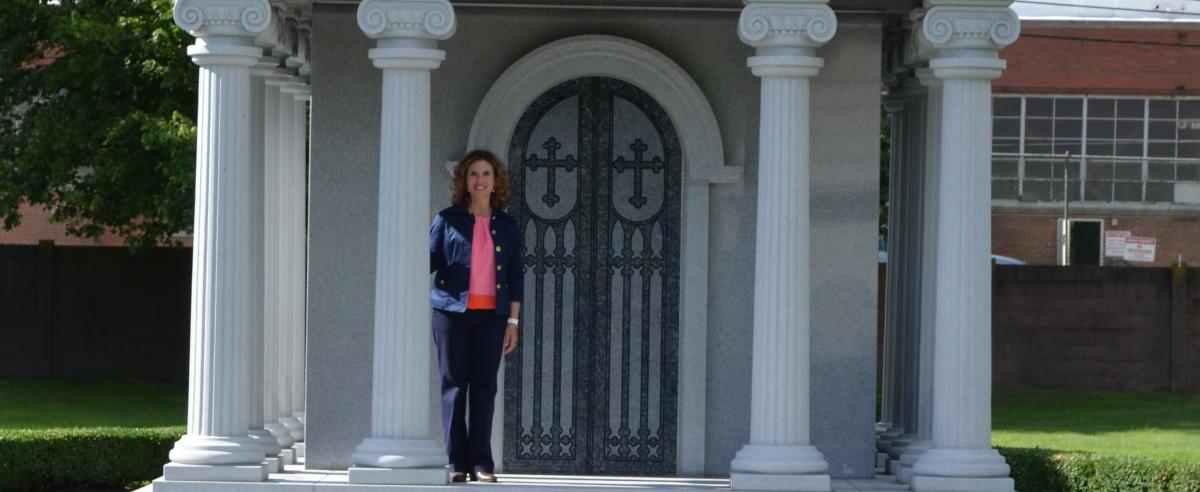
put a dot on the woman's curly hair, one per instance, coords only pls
(458, 186)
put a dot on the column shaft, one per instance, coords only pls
(272, 243)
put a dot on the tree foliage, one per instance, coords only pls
(97, 105)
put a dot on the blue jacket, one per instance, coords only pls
(450, 259)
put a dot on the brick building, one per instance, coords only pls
(1118, 88)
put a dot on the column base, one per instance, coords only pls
(273, 465)
(908, 457)
(779, 459)
(400, 453)
(176, 472)
(299, 448)
(893, 467)
(287, 457)
(898, 444)
(294, 428)
(761, 481)
(268, 442)
(282, 436)
(964, 463)
(398, 476)
(216, 451)
(881, 460)
(922, 483)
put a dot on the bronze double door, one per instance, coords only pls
(591, 389)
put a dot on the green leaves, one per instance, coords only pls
(97, 105)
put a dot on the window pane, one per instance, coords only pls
(1100, 147)
(1037, 191)
(1189, 150)
(1127, 191)
(1100, 107)
(1068, 107)
(1189, 134)
(1162, 130)
(1189, 108)
(1004, 189)
(1131, 108)
(1038, 147)
(1068, 128)
(1097, 191)
(1039, 106)
(1100, 128)
(1098, 169)
(1010, 106)
(1130, 129)
(1188, 172)
(1162, 108)
(1037, 169)
(1161, 150)
(1013, 146)
(1161, 171)
(1160, 192)
(1037, 128)
(1011, 127)
(1127, 149)
(1004, 168)
(1127, 170)
(1072, 146)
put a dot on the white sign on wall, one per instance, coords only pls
(1114, 243)
(1140, 248)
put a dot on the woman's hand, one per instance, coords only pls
(510, 338)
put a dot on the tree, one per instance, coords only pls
(97, 110)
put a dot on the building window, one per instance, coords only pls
(1108, 148)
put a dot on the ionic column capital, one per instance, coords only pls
(803, 24)
(407, 19)
(987, 25)
(221, 18)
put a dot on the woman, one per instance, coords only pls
(475, 252)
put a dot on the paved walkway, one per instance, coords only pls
(296, 479)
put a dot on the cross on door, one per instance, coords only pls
(567, 163)
(638, 166)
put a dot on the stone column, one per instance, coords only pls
(217, 445)
(889, 428)
(285, 250)
(780, 455)
(293, 175)
(924, 431)
(402, 448)
(274, 374)
(967, 35)
(259, 122)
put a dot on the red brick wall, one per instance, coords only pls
(1042, 65)
(36, 226)
(1033, 237)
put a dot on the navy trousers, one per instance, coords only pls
(469, 347)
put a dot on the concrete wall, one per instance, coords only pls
(87, 312)
(343, 180)
(1096, 328)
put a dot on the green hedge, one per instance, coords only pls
(104, 457)
(1040, 470)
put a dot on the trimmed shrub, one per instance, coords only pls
(105, 457)
(1040, 470)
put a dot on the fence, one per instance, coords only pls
(90, 311)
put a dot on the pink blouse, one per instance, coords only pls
(481, 294)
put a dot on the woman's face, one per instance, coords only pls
(480, 181)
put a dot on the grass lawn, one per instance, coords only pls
(55, 404)
(1163, 425)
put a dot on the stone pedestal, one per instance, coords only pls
(967, 37)
(217, 445)
(780, 455)
(402, 448)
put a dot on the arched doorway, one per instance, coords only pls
(596, 168)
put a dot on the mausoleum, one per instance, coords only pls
(698, 186)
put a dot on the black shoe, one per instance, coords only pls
(458, 477)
